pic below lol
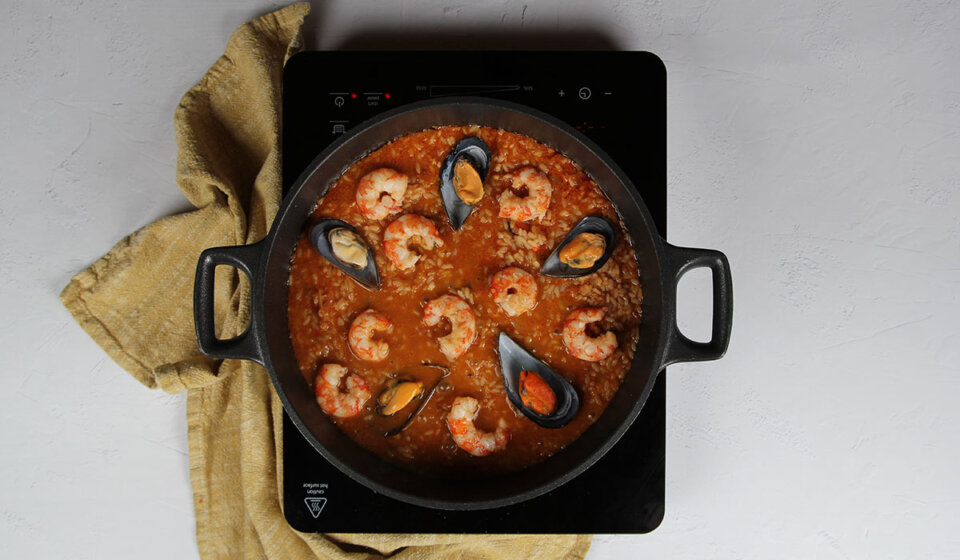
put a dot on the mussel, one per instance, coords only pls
(410, 390)
(466, 166)
(342, 245)
(515, 360)
(593, 233)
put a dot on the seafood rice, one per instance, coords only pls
(532, 198)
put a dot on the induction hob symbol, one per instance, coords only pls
(315, 505)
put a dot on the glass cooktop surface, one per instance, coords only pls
(618, 99)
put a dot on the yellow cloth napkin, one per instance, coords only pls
(136, 302)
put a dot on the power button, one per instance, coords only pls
(584, 93)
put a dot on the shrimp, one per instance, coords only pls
(333, 401)
(467, 437)
(535, 204)
(380, 192)
(399, 234)
(462, 321)
(360, 337)
(581, 345)
(514, 290)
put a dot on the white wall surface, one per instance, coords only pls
(816, 142)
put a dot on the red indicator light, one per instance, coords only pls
(353, 95)
(387, 95)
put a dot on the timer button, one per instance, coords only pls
(584, 93)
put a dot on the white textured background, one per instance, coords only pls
(817, 143)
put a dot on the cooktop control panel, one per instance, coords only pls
(617, 99)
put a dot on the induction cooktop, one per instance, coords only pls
(618, 99)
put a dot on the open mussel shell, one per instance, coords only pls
(513, 360)
(553, 266)
(429, 377)
(476, 152)
(368, 276)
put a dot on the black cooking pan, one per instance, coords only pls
(267, 340)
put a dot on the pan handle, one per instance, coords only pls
(245, 346)
(679, 261)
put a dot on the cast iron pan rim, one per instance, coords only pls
(601, 449)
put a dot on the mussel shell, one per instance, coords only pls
(478, 154)
(424, 398)
(368, 276)
(513, 360)
(553, 266)
(431, 375)
(382, 407)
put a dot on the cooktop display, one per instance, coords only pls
(618, 99)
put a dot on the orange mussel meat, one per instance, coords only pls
(536, 394)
